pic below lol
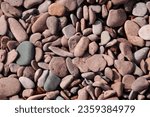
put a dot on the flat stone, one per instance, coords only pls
(141, 21)
(138, 71)
(93, 47)
(11, 56)
(139, 9)
(69, 30)
(116, 17)
(73, 69)
(1, 67)
(124, 67)
(82, 94)
(40, 24)
(2, 55)
(135, 40)
(9, 86)
(52, 82)
(147, 62)
(92, 16)
(58, 66)
(44, 6)
(97, 27)
(3, 24)
(38, 54)
(127, 80)
(81, 46)
(17, 30)
(140, 84)
(88, 75)
(29, 72)
(105, 38)
(16, 3)
(108, 59)
(96, 8)
(52, 24)
(66, 81)
(131, 28)
(26, 53)
(42, 78)
(96, 63)
(56, 9)
(31, 3)
(109, 73)
(144, 32)
(27, 93)
(118, 87)
(26, 82)
(141, 54)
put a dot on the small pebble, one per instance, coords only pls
(26, 83)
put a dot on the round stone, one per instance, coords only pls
(127, 80)
(97, 28)
(26, 82)
(26, 53)
(69, 30)
(9, 86)
(139, 9)
(144, 32)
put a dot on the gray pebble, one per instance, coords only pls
(69, 30)
(26, 82)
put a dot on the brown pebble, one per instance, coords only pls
(118, 87)
(66, 81)
(82, 94)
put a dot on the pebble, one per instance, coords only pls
(82, 94)
(59, 98)
(141, 21)
(11, 56)
(66, 81)
(109, 73)
(131, 28)
(69, 30)
(137, 41)
(96, 8)
(3, 24)
(52, 82)
(96, 63)
(147, 62)
(124, 67)
(56, 9)
(52, 94)
(27, 93)
(88, 75)
(108, 59)
(137, 71)
(81, 47)
(140, 54)
(2, 55)
(26, 82)
(90, 90)
(58, 66)
(97, 28)
(40, 24)
(12, 44)
(1, 67)
(139, 9)
(29, 72)
(26, 53)
(73, 69)
(105, 38)
(144, 32)
(93, 47)
(17, 30)
(140, 84)
(127, 81)
(29, 4)
(119, 17)
(109, 94)
(119, 2)
(14, 67)
(42, 78)
(16, 3)
(44, 6)
(38, 54)
(92, 16)
(6, 83)
(118, 88)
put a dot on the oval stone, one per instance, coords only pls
(9, 86)
(144, 32)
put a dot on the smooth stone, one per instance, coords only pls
(109, 73)
(92, 16)
(31, 3)
(1, 67)
(108, 59)
(42, 78)
(69, 30)
(26, 82)
(109, 94)
(139, 9)
(81, 47)
(144, 32)
(96, 8)
(43, 65)
(40, 24)
(119, 2)
(140, 84)
(85, 12)
(147, 62)
(96, 63)
(52, 24)
(26, 53)
(9, 86)
(66, 81)
(27, 93)
(38, 54)
(29, 72)
(17, 30)
(105, 38)
(140, 54)
(138, 71)
(127, 80)
(118, 88)
(58, 66)
(44, 6)
(141, 21)
(124, 67)
(11, 56)
(73, 69)
(16, 3)
(93, 37)
(97, 28)
(37, 74)
(56, 9)
(2, 55)
(35, 37)
(131, 28)
(93, 47)
(135, 40)
(52, 82)
(59, 98)
(3, 24)
(82, 94)
(88, 75)
(116, 17)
